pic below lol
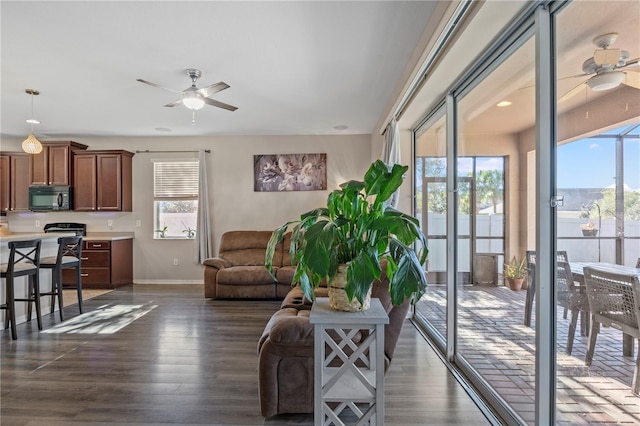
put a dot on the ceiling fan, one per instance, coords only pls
(606, 67)
(194, 98)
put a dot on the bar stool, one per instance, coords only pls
(69, 255)
(24, 260)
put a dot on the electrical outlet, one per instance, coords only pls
(175, 261)
(37, 223)
(138, 223)
(110, 223)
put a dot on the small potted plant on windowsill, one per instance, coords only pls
(345, 242)
(162, 232)
(515, 272)
(191, 233)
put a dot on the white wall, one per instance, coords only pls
(233, 203)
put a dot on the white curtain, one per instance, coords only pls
(391, 154)
(203, 248)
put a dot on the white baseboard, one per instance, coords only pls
(137, 281)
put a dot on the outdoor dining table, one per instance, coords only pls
(577, 269)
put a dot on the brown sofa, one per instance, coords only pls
(285, 351)
(239, 272)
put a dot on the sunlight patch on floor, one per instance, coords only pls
(70, 297)
(106, 319)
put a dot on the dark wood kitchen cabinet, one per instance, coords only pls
(14, 188)
(53, 166)
(103, 180)
(104, 264)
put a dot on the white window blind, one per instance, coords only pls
(175, 179)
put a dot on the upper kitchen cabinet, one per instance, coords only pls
(14, 181)
(53, 165)
(102, 180)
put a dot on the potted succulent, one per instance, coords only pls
(515, 272)
(345, 242)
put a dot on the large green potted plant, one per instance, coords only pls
(359, 230)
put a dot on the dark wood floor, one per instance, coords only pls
(187, 361)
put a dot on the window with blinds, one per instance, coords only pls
(175, 195)
(178, 179)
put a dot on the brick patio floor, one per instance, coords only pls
(494, 340)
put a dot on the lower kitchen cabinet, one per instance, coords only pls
(105, 264)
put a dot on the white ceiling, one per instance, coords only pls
(294, 67)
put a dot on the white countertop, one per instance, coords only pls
(22, 236)
(108, 236)
(46, 237)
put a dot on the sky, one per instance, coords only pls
(590, 163)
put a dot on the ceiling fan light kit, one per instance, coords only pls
(192, 101)
(605, 81)
(31, 145)
(193, 97)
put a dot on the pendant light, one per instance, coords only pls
(31, 145)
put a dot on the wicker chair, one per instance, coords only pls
(531, 288)
(614, 301)
(572, 296)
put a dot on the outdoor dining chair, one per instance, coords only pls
(614, 301)
(531, 288)
(571, 295)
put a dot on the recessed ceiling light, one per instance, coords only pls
(163, 129)
(341, 127)
(32, 121)
(503, 104)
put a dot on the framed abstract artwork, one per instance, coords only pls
(289, 172)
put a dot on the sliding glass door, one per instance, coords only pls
(536, 156)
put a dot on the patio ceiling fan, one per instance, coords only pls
(193, 97)
(607, 68)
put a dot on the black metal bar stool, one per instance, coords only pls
(69, 254)
(24, 260)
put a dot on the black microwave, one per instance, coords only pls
(50, 198)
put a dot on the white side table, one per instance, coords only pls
(359, 387)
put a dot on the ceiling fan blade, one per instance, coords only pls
(214, 88)
(174, 103)
(571, 93)
(574, 76)
(218, 104)
(158, 86)
(633, 64)
(632, 79)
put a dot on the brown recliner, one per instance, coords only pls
(286, 354)
(239, 272)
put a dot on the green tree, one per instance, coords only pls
(490, 187)
(437, 195)
(608, 205)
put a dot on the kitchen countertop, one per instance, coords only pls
(108, 236)
(21, 236)
(91, 236)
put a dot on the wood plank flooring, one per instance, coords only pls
(188, 361)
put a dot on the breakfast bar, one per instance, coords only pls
(107, 262)
(49, 247)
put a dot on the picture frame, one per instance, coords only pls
(290, 172)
